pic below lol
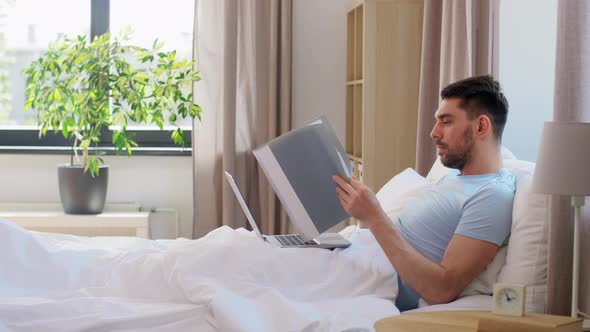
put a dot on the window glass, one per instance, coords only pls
(170, 22)
(26, 29)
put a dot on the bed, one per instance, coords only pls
(229, 280)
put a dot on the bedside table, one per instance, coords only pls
(116, 220)
(473, 321)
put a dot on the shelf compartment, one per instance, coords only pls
(358, 121)
(350, 119)
(350, 24)
(358, 42)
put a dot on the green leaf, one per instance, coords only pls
(92, 166)
(142, 78)
(64, 130)
(171, 56)
(157, 45)
(56, 95)
(178, 137)
(121, 82)
(28, 104)
(195, 110)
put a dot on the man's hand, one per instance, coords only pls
(357, 199)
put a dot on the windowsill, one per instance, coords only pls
(109, 151)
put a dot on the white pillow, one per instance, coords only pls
(526, 259)
(438, 170)
(398, 191)
(484, 282)
(507, 154)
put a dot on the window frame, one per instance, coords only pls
(18, 140)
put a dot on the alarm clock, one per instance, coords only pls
(508, 299)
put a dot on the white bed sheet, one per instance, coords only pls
(92, 313)
(228, 280)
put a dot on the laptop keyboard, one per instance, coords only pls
(293, 240)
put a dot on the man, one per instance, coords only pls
(441, 242)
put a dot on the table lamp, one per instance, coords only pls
(563, 168)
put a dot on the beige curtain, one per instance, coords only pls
(243, 50)
(571, 103)
(459, 40)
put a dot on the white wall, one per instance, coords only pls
(319, 62)
(527, 63)
(154, 182)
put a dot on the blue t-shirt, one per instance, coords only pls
(476, 206)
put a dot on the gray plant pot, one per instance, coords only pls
(80, 193)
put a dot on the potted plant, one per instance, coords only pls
(81, 89)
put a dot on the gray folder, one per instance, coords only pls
(307, 158)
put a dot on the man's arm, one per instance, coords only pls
(464, 259)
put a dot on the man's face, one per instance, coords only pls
(453, 134)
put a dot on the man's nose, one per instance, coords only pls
(435, 133)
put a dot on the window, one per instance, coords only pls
(28, 26)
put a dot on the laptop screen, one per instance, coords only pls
(242, 202)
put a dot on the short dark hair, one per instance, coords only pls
(481, 95)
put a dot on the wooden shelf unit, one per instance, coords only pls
(384, 44)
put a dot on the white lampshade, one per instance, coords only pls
(563, 164)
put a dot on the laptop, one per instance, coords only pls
(326, 241)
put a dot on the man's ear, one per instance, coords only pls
(484, 125)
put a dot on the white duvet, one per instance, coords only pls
(228, 280)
